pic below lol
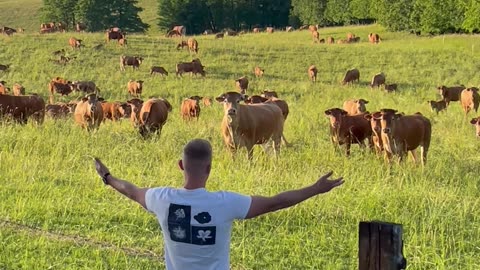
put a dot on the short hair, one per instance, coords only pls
(198, 150)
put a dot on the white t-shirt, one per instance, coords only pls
(196, 225)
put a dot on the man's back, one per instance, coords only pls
(196, 225)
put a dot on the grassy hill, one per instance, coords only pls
(57, 214)
(26, 14)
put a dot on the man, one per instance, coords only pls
(196, 224)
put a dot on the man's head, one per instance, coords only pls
(197, 158)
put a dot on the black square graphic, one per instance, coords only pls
(204, 236)
(179, 214)
(180, 233)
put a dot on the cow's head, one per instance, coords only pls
(92, 101)
(387, 120)
(476, 123)
(197, 100)
(374, 119)
(231, 102)
(136, 106)
(125, 110)
(255, 99)
(336, 116)
(269, 94)
(360, 103)
(139, 59)
(140, 84)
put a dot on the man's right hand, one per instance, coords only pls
(324, 184)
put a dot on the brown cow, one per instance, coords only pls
(191, 43)
(18, 90)
(133, 61)
(153, 115)
(270, 30)
(247, 125)
(61, 88)
(330, 40)
(135, 107)
(347, 129)
(315, 36)
(476, 123)
(158, 70)
(401, 134)
(450, 93)
(57, 111)
(355, 106)
(470, 100)
(89, 112)
(194, 67)
(61, 27)
(437, 106)
(373, 38)
(173, 33)
(135, 87)
(256, 30)
(350, 37)
(190, 108)
(390, 87)
(207, 101)
(269, 94)
(258, 72)
(376, 131)
(242, 84)
(113, 110)
(117, 35)
(312, 28)
(219, 35)
(312, 73)
(282, 104)
(180, 29)
(351, 76)
(378, 80)
(303, 27)
(85, 86)
(20, 108)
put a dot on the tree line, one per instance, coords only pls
(418, 16)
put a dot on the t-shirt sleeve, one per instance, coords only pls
(238, 205)
(153, 197)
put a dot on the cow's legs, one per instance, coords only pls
(249, 151)
(414, 155)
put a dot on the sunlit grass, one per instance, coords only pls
(48, 182)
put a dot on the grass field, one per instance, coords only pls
(56, 213)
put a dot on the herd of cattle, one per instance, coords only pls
(260, 119)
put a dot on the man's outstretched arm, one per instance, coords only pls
(261, 205)
(126, 188)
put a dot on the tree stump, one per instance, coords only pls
(380, 246)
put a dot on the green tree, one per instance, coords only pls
(310, 11)
(96, 14)
(472, 17)
(59, 11)
(395, 14)
(338, 12)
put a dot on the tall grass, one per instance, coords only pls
(61, 216)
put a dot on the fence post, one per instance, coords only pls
(380, 246)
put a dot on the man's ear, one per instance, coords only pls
(209, 168)
(180, 164)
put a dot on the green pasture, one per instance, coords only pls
(55, 212)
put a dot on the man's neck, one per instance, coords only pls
(194, 183)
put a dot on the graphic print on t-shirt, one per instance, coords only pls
(181, 230)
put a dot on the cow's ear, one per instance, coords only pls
(220, 98)
(101, 99)
(84, 99)
(368, 116)
(169, 106)
(398, 115)
(328, 112)
(364, 101)
(474, 121)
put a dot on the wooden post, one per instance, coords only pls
(380, 246)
